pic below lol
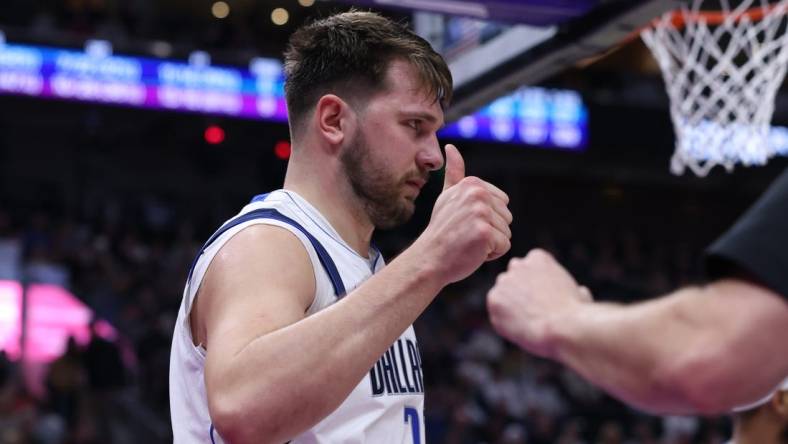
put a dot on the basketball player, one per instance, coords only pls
(763, 422)
(290, 328)
(700, 349)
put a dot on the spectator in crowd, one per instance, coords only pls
(764, 421)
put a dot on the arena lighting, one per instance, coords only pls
(161, 49)
(220, 9)
(306, 3)
(280, 16)
(214, 135)
(473, 9)
(199, 59)
(98, 48)
(282, 149)
(53, 316)
(10, 318)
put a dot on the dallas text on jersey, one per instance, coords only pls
(398, 371)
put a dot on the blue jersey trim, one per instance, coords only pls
(260, 197)
(270, 213)
(210, 433)
(378, 255)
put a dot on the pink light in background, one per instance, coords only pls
(54, 315)
(10, 318)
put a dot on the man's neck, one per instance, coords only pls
(333, 198)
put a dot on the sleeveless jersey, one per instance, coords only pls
(386, 407)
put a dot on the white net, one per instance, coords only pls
(721, 77)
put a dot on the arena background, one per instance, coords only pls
(102, 207)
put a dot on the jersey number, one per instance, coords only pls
(412, 417)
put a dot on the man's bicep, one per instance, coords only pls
(260, 281)
(750, 328)
(760, 315)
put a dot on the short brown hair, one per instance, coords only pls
(350, 53)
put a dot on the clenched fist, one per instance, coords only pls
(530, 297)
(469, 223)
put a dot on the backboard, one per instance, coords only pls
(495, 47)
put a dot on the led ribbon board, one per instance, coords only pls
(534, 116)
(141, 82)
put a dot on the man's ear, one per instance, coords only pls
(335, 119)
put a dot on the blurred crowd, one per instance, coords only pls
(126, 257)
(129, 270)
(164, 28)
(127, 260)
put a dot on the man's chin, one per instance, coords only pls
(408, 208)
(402, 216)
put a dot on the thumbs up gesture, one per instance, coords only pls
(454, 167)
(469, 223)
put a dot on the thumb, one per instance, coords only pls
(455, 167)
(585, 294)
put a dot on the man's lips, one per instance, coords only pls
(418, 183)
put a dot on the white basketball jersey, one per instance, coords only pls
(386, 407)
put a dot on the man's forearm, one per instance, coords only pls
(626, 350)
(324, 356)
(701, 349)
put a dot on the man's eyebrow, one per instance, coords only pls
(425, 116)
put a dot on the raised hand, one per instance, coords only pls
(529, 296)
(469, 223)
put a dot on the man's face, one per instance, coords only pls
(389, 158)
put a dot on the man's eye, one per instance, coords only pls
(414, 124)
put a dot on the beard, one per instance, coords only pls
(376, 187)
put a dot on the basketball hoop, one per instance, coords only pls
(722, 70)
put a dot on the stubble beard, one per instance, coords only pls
(376, 189)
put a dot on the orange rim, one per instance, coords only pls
(712, 17)
(717, 17)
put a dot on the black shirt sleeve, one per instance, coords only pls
(757, 244)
